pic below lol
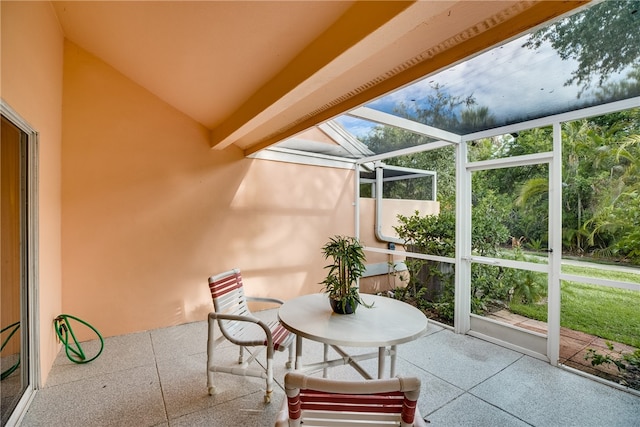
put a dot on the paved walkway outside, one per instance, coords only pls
(573, 345)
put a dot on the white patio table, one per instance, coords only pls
(385, 325)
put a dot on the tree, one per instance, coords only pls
(618, 215)
(620, 90)
(604, 39)
(442, 110)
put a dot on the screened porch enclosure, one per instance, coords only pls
(527, 153)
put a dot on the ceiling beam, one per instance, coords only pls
(358, 22)
(509, 23)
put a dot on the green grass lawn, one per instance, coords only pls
(602, 273)
(613, 314)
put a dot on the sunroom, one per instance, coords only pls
(514, 145)
(141, 210)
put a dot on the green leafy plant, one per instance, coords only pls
(431, 286)
(348, 265)
(535, 245)
(627, 363)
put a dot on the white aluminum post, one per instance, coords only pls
(356, 202)
(462, 298)
(555, 245)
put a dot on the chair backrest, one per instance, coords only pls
(349, 403)
(228, 297)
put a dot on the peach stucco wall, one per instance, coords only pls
(150, 210)
(391, 208)
(32, 54)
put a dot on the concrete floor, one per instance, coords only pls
(158, 378)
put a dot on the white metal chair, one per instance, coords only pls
(241, 327)
(327, 402)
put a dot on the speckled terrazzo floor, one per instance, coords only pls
(158, 378)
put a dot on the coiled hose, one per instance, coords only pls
(14, 328)
(63, 330)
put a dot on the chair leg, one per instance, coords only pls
(269, 392)
(211, 344)
(241, 356)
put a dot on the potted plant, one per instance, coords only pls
(341, 283)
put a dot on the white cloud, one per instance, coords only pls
(514, 82)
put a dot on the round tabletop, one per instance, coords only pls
(388, 322)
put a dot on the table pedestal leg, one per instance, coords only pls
(392, 370)
(298, 352)
(325, 358)
(347, 359)
(381, 357)
(353, 361)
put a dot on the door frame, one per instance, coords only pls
(30, 285)
(539, 345)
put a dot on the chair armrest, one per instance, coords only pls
(249, 319)
(264, 299)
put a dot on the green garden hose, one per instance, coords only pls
(10, 370)
(63, 330)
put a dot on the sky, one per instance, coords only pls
(514, 82)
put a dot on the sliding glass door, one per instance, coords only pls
(17, 161)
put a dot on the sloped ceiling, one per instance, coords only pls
(255, 72)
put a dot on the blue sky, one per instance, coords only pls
(511, 80)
